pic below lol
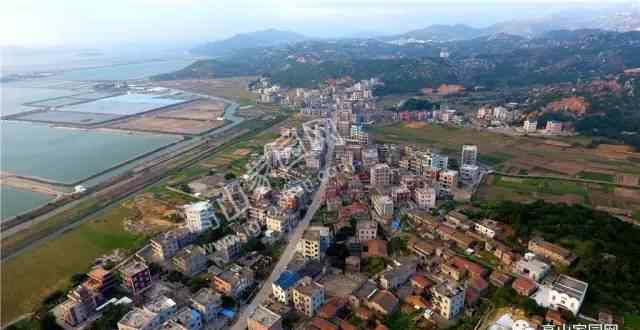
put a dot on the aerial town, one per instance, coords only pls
(328, 229)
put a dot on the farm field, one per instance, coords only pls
(30, 276)
(230, 88)
(522, 155)
(169, 125)
(497, 188)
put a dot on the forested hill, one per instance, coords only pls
(496, 61)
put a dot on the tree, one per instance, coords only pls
(228, 302)
(78, 278)
(110, 317)
(229, 176)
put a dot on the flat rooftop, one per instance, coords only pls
(570, 286)
(264, 316)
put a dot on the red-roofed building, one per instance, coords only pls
(344, 325)
(375, 248)
(353, 210)
(321, 324)
(479, 284)
(420, 283)
(524, 286)
(331, 308)
(363, 313)
(473, 268)
(471, 297)
(417, 302)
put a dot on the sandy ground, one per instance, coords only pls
(197, 110)
(7, 179)
(169, 125)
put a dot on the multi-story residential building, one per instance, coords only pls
(448, 299)
(469, 155)
(553, 252)
(172, 325)
(139, 319)
(100, 280)
(189, 318)
(369, 157)
(530, 125)
(366, 230)
(200, 217)
(208, 303)
(264, 319)
(167, 244)
(314, 242)
(566, 293)
(469, 173)
(80, 305)
(163, 306)
(234, 281)
(282, 288)
(532, 268)
(280, 221)
(136, 277)
(425, 197)
(553, 127)
(228, 248)
(434, 160)
(383, 302)
(191, 260)
(258, 212)
(279, 152)
(488, 227)
(383, 205)
(308, 296)
(359, 135)
(247, 230)
(380, 175)
(447, 182)
(400, 194)
(394, 278)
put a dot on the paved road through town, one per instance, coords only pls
(289, 251)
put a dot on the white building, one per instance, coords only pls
(200, 217)
(488, 227)
(383, 206)
(282, 288)
(314, 242)
(139, 319)
(567, 293)
(366, 230)
(447, 182)
(469, 173)
(469, 155)
(425, 197)
(380, 175)
(530, 125)
(553, 127)
(163, 306)
(532, 268)
(448, 299)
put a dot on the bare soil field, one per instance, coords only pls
(231, 88)
(197, 110)
(530, 155)
(169, 125)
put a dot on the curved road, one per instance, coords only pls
(290, 250)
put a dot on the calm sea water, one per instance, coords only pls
(15, 201)
(68, 155)
(63, 154)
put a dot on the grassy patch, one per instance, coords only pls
(632, 321)
(494, 158)
(32, 275)
(596, 176)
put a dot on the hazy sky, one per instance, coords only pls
(90, 23)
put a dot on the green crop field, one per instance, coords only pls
(33, 274)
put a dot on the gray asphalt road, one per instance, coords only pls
(289, 252)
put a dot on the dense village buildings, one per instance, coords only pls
(382, 241)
